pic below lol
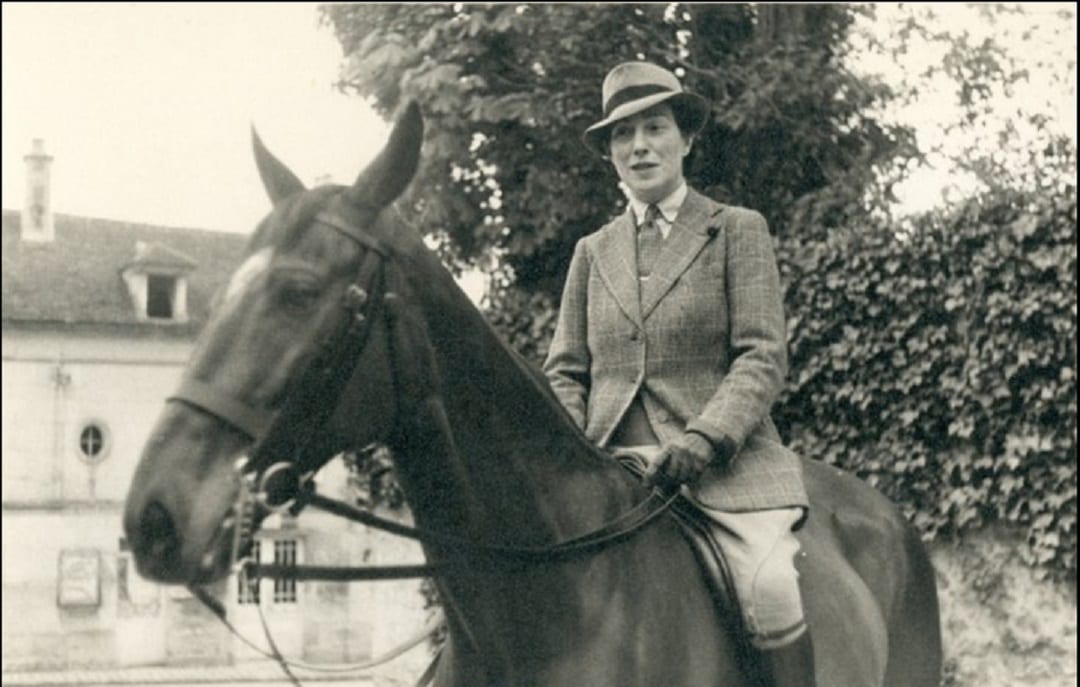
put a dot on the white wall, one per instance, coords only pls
(37, 632)
(53, 384)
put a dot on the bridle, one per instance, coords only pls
(285, 438)
(277, 474)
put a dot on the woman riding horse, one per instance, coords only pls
(341, 328)
(671, 343)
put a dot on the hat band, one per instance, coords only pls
(633, 93)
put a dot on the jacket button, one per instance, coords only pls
(634, 336)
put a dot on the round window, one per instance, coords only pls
(93, 442)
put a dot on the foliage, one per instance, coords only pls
(372, 478)
(941, 366)
(525, 321)
(1000, 78)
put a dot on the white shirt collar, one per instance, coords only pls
(669, 208)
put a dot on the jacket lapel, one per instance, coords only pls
(616, 261)
(688, 236)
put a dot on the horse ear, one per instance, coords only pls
(276, 177)
(388, 174)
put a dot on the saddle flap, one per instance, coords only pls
(695, 529)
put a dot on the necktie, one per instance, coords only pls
(649, 241)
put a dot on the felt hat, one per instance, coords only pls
(632, 87)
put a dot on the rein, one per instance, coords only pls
(272, 478)
(622, 527)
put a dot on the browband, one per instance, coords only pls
(335, 221)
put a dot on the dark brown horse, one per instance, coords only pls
(485, 453)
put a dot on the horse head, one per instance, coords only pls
(295, 347)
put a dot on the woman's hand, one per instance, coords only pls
(681, 461)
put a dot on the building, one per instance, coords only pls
(99, 317)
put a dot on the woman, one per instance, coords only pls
(671, 341)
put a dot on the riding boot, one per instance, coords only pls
(791, 665)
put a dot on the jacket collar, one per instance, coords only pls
(616, 254)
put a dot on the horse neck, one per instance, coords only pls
(495, 459)
(522, 472)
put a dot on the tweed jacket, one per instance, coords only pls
(703, 340)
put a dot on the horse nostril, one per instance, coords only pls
(157, 533)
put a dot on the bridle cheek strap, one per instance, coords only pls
(253, 422)
(283, 435)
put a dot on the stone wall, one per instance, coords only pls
(1002, 625)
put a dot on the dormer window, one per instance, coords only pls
(157, 282)
(160, 296)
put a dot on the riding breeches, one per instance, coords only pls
(760, 549)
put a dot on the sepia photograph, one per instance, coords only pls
(539, 344)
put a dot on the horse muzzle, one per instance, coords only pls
(165, 552)
(180, 514)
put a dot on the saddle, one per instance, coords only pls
(695, 528)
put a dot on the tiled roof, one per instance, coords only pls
(148, 255)
(76, 278)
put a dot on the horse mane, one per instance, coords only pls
(425, 261)
(539, 382)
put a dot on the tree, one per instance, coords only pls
(936, 357)
(1000, 82)
(507, 90)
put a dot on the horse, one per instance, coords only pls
(484, 453)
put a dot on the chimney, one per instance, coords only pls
(37, 215)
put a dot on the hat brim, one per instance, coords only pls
(694, 107)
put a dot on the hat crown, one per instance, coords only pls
(642, 78)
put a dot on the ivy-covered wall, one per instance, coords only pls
(937, 362)
(940, 365)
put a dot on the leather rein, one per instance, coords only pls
(274, 477)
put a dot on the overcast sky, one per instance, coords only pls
(147, 108)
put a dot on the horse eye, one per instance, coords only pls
(298, 298)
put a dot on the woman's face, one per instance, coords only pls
(648, 149)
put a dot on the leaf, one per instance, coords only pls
(1024, 226)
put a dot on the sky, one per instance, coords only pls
(147, 107)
